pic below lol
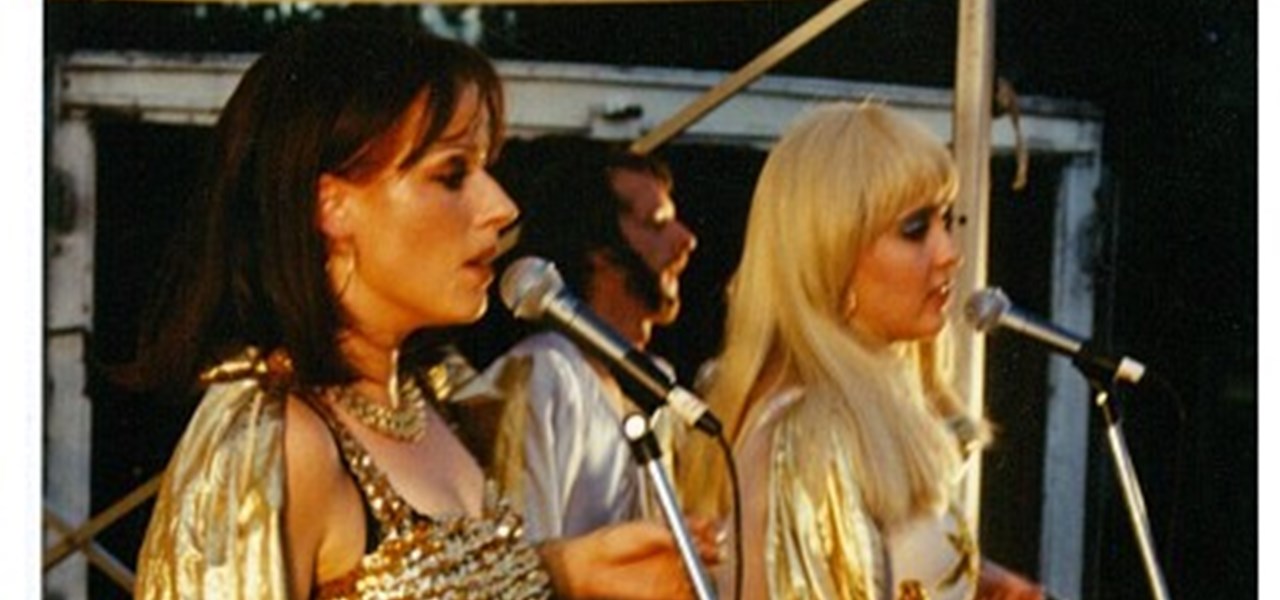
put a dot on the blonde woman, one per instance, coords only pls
(831, 384)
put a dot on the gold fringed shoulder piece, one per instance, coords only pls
(273, 371)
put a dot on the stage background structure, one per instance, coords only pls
(1096, 177)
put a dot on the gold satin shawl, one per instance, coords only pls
(216, 528)
(819, 540)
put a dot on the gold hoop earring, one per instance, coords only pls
(850, 306)
(393, 382)
(346, 278)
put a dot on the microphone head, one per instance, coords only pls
(985, 307)
(528, 284)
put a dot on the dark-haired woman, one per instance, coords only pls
(348, 208)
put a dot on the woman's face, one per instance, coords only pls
(423, 237)
(901, 283)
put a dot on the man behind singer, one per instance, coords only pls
(606, 219)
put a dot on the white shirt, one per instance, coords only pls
(576, 472)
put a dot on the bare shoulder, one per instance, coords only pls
(314, 470)
(318, 497)
(307, 437)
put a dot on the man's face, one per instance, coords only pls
(658, 238)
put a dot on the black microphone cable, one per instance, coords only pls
(731, 466)
(631, 389)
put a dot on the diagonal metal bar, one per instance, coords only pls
(471, 2)
(97, 555)
(85, 533)
(743, 77)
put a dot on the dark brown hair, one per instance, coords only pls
(248, 267)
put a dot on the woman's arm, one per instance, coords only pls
(637, 560)
(319, 497)
(997, 583)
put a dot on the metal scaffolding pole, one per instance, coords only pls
(971, 140)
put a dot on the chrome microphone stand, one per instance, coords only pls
(1128, 479)
(644, 447)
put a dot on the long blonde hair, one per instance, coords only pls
(837, 178)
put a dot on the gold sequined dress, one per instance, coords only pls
(217, 527)
(417, 556)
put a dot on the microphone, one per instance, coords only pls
(533, 289)
(990, 308)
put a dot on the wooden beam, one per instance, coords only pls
(97, 555)
(85, 533)
(463, 2)
(743, 77)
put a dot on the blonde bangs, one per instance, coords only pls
(884, 165)
(894, 164)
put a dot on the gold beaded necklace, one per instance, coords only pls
(405, 420)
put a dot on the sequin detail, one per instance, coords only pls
(423, 557)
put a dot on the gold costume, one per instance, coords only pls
(216, 530)
(819, 541)
(424, 557)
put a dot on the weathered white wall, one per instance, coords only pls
(68, 413)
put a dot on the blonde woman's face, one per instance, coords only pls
(902, 282)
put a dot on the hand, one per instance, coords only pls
(637, 560)
(997, 583)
